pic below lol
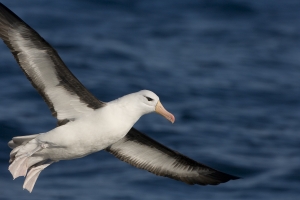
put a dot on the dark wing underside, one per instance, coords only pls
(145, 153)
(66, 97)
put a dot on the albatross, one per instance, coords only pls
(85, 124)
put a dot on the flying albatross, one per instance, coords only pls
(86, 124)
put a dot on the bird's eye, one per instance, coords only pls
(149, 99)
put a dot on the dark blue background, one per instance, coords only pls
(228, 70)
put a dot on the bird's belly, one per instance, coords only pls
(80, 148)
(92, 143)
(76, 141)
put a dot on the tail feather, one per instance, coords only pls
(23, 159)
(32, 176)
(18, 167)
(24, 147)
(20, 140)
(12, 145)
(13, 154)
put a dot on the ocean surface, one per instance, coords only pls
(228, 70)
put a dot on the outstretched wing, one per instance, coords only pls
(145, 153)
(66, 97)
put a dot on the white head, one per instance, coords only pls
(146, 102)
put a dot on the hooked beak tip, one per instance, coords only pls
(162, 111)
(172, 119)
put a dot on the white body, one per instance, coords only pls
(88, 134)
(91, 132)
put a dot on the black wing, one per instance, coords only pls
(66, 97)
(145, 153)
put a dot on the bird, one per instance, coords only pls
(85, 124)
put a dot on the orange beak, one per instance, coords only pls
(162, 111)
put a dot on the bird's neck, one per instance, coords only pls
(130, 111)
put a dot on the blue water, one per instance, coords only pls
(228, 70)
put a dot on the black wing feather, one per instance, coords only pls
(145, 153)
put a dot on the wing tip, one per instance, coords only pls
(220, 177)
